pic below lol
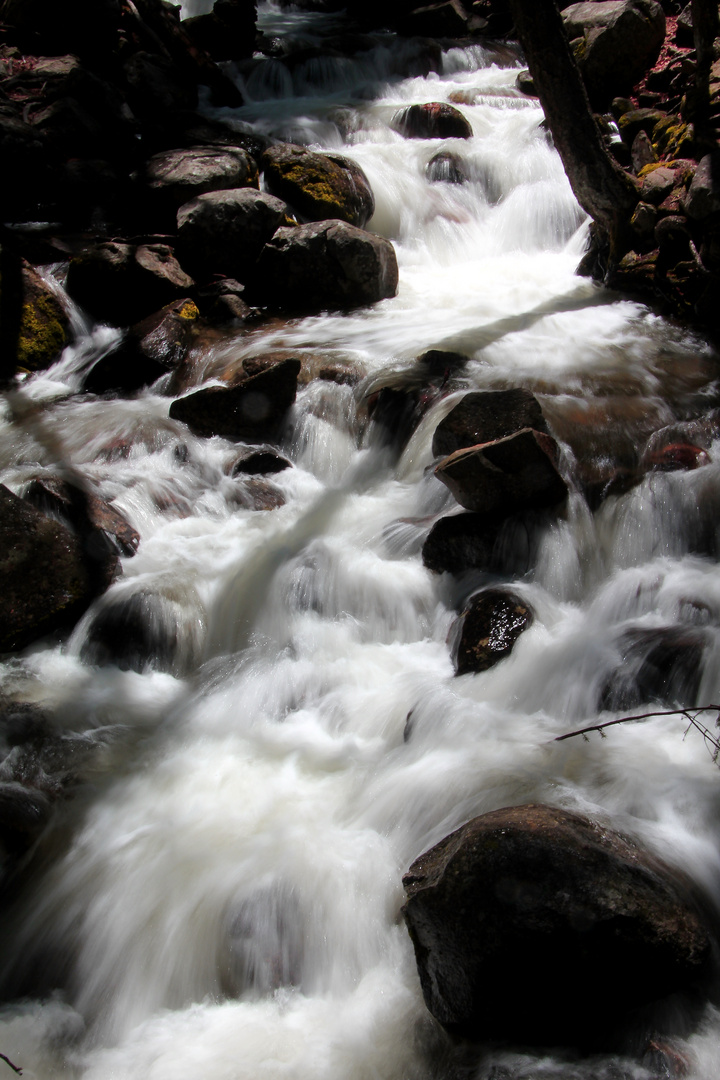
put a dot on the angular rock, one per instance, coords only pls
(620, 41)
(483, 416)
(703, 198)
(178, 176)
(434, 120)
(86, 514)
(318, 186)
(326, 264)
(488, 628)
(486, 542)
(123, 283)
(535, 925)
(252, 409)
(152, 348)
(507, 475)
(47, 578)
(223, 232)
(44, 323)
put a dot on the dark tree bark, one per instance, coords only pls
(705, 30)
(603, 189)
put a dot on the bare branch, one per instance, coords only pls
(9, 1062)
(691, 715)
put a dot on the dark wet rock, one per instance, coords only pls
(223, 232)
(526, 84)
(449, 18)
(318, 186)
(228, 31)
(485, 542)
(259, 461)
(47, 577)
(699, 432)
(178, 176)
(326, 265)
(672, 238)
(657, 184)
(44, 323)
(143, 631)
(488, 628)
(523, 918)
(151, 349)
(85, 514)
(224, 301)
(122, 283)
(643, 224)
(483, 416)
(617, 42)
(434, 120)
(634, 121)
(507, 475)
(446, 167)
(253, 408)
(656, 665)
(703, 197)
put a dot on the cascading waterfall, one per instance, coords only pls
(221, 898)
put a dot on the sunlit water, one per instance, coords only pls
(222, 897)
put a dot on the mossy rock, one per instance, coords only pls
(320, 187)
(44, 325)
(672, 137)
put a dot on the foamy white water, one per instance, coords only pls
(222, 897)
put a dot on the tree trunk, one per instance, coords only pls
(603, 189)
(705, 30)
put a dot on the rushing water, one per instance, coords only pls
(221, 897)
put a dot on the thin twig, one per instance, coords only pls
(691, 716)
(9, 1062)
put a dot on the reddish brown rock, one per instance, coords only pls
(435, 120)
(85, 514)
(483, 416)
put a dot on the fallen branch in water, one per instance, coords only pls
(9, 1062)
(691, 715)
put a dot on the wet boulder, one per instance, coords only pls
(44, 324)
(122, 283)
(488, 628)
(258, 494)
(487, 542)
(223, 232)
(259, 461)
(507, 475)
(86, 513)
(176, 177)
(656, 664)
(483, 416)
(447, 168)
(152, 348)
(318, 186)
(326, 265)
(434, 120)
(47, 575)
(538, 926)
(252, 407)
(616, 42)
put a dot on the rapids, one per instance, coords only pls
(221, 898)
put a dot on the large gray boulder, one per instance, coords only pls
(326, 264)
(223, 232)
(177, 176)
(318, 186)
(535, 925)
(617, 42)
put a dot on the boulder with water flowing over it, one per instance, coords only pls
(152, 348)
(488, 542)
(434, 120)
(176, 177)
(446, 167)
(488, 628)
(483, 416)
(259, 461)
(44, 326)
(507, 475)
(48, 575)
(318, 186)
(616, 42)
(535, 925)
(656, 664)
(326, 265)
(223, 232)
(122, 283)
(251, 408)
